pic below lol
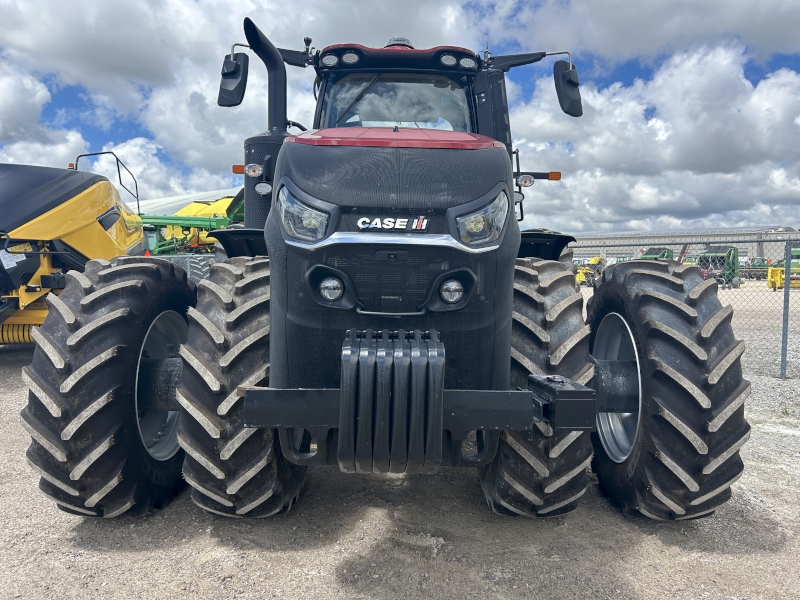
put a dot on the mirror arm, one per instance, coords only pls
(562, 52)
(508, 62)
(238, 44)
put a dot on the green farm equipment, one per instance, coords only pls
(756, 268)
(720, 263)
(658, 254)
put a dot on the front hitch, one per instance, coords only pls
(392, 413)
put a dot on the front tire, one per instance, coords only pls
(540, 473)
(100, 449)
(234, 470)
(678, 456)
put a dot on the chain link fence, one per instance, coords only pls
(752, 276)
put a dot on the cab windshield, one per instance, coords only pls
(396, 99)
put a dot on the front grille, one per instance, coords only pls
(395, 286)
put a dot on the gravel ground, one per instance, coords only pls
(420, 537)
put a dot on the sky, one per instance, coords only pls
(691, 109)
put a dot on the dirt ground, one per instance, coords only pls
(409, 536)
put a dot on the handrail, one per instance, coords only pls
(119, 175)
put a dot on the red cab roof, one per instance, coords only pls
(387, 137)
(397, 48)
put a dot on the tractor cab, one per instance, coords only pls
(440, 89)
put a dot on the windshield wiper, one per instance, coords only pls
(358, 98)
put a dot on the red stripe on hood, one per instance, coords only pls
(387, 137)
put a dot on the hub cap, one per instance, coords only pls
(617, 431)
(158, 428)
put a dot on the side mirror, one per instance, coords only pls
(567, 88)
(234, 79)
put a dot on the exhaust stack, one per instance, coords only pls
(276, 74)
(262, 149)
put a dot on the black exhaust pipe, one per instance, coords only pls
(276, 73)
(262, 149)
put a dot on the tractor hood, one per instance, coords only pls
(27, 192)
(379, 167)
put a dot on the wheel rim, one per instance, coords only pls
(158, 428)
(617, 431)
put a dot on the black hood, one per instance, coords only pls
(27, 192)
(393, 178)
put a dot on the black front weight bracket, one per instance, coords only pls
(393, 415)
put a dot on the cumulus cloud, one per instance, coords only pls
(22, 97)
(697, 141)
(618, 31)
(56, 149)
(155, 177)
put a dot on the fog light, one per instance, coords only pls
(331, 289)
(452, 291)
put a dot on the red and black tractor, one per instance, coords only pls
(381, 311)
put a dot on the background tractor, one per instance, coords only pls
(379, 308)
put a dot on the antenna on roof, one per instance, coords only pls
(486, 54)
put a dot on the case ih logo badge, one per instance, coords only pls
(390, 224)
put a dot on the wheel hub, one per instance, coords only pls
(156, 380)
(618, 430)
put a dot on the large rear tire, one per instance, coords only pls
(100, 449)
(678, 456)
(234, 471)
(541, 473)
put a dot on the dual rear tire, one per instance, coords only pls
(677, 456)
(100, 444)
(234, 470)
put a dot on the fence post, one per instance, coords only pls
(787, 284)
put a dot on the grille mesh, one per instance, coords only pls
(393, 286)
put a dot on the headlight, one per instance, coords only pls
(484, 225)
(300, 221)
